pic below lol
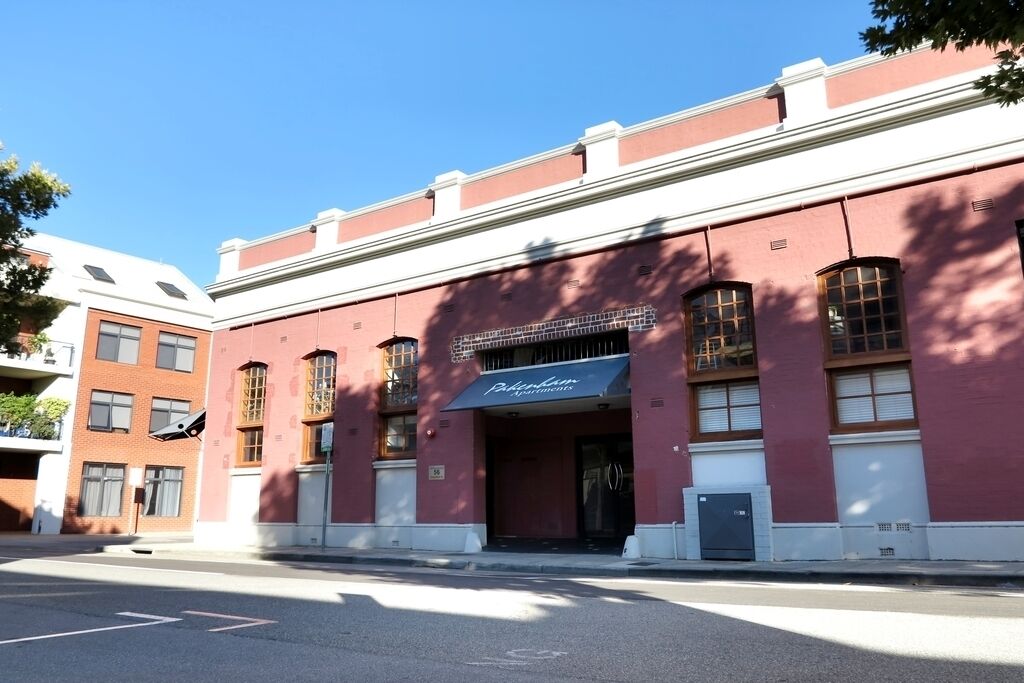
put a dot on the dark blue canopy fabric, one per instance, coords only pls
(541, 383)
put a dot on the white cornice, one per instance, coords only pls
(708, 108)
(769, 145)
(871, 60)
(518, 163)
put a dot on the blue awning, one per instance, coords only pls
(594, 378)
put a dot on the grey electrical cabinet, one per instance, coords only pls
(726, 526)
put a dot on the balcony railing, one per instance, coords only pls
(59, 354)
(43, 430)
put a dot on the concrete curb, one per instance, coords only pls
(621, 569)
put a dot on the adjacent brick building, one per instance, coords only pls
(129, 353)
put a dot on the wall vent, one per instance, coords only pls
(216, 442)
(887, 552)
(779, 244)
(357, 326)
(572, 284)
(903, 526)
(657, 403)
(982, 204)
(506, 296)
(223, 349)
(885, 526)
(352, 431)
(449, 308)
(645, 269)
(445, 423)
(284, 339)
(278, 437)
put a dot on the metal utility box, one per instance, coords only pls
(726, 526)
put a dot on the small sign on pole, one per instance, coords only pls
(327, 438)
(135, 476)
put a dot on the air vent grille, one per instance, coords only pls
(885, 526)
(887, 552)
(903, 526)
(572, 284)
(284, 339)
(506, 296)
(779, 244)
(983, 204)
(278, 437)
(449, 308)
(445, 423)
(657, 403)
(645, 269)
(357, 326)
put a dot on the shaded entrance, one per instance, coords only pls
(605, 477)
(18, 476)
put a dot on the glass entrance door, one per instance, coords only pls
(605, 466)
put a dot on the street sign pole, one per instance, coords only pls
(327, 448)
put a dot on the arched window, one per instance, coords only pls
(250, 423)
(866, 342)
(722, 361)
(319, 403)
(399, 393)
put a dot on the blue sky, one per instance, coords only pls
(180, 124)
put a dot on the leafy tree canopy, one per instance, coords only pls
(24, 195)
(996, 24)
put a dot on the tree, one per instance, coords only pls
(996, 24)
(29, 194)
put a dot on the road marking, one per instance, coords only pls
(520, 657)
(45, 595)
(112, 566)
(252, 621)
(134, 615)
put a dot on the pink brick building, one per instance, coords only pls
(782, 325)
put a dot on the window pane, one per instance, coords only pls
(895, 407)
(107, 348)
(99, 416)
(853, 384)
(892, 381)
(716, 420)
(745, 394)
(712, 396)
(165, 356)
(186, 360)
(746, 417)
(854, 410)
(128, 352)
(121, 417)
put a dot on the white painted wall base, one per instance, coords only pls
(868, 542)
(807, 541)
(995, 541)
(656, 541)
(51, 489)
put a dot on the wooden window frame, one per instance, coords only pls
(249, 415)
(242, 447)
(837, 364)
(313, 395)
(309, 447)
(698, 436)
(861, 357)
(387, 405)
(250, 419)
(695, 375)
(406, 454)
(877, 425)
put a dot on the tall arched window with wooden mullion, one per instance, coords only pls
(399, 394)
(722, 361)
(319, 403)
(251, 412)
(865, 332)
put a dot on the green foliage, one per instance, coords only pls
(996, 24)
(37, 342)
(34, 417)
(24, 195)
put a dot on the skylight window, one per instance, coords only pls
(99, 274)
(171, 290)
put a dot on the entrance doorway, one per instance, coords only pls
(605, 487)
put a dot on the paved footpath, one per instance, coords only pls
(898, 572)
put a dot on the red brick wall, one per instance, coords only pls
(135, 449)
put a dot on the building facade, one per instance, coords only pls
(128, 356)
(782, 325)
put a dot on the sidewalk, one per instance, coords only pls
(1008, 575)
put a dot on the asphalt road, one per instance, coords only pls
(141, 618)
